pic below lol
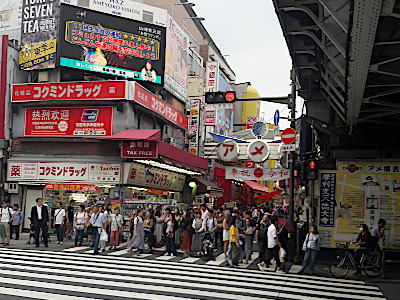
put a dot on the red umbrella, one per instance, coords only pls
(286, 223)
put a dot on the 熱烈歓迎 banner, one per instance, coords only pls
(68, 121)
(265, 174)
(86, 90)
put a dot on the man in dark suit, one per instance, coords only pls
(40, 220)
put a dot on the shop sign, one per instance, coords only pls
(228, 150)
(139, 149)
(71, 187)
(150, 101)
(265, 174)
(64, 172)
(250, 122)
(250, 164)
(39, 32)
(194, 126)
(212, 76)
(157, 192)
(68, 121)
(328, 200)
(103, 43)
(89, 90)
(176, 60)
(140, 175)
(210, 117)
(258, 151)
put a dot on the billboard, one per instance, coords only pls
(176, 60)
(97, 42)
(68, 121)
(357, 193)
(39, 32)
(10, 15)
(3, 83)
(130, 9)
(194, 126)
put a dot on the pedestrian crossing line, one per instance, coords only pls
(83, 289)
(143, 273)
(190, 260)
(40, 295)
(165, 257)
(75, 249)
(120, 252)
(181, 267)
(166, 281)
(218, 260)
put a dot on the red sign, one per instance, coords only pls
(140, 149)
(210, 117)
(157, 192)
(71, 187)
(69, 121)
(288, 136)
(250, 122)
(258, 173)
(87, 90)
(150, 101)
(250, 163)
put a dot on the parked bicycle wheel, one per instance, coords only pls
(339, 265)
(372, 264)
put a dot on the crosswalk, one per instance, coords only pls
(42, 274)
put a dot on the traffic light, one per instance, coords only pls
(220, 97)
(311, 169)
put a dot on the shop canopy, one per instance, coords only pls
(255, 186)
(271, 195)
(134, 135)
(211, 187)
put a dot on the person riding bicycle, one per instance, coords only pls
(377, 233)
(364, 241)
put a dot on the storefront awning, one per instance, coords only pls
(271, 195)
(134, 135)
(255, 186)
(211, 187)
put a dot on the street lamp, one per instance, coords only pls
(191, 18)
(186, 3)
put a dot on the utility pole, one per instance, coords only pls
(292, 106)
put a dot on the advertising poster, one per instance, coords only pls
(194, 126)
(176, 60)
(68, 121)
(364, 192)
(212, 76)
(224, 120)
(39, 32)
(10, 15)
(97, 42)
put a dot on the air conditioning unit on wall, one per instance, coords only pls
(11, 187)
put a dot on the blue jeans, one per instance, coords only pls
(59, 232)
(79, 237)
(96, 239)
(170, 244)
(311, 254)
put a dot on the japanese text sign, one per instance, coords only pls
(139, 149)
(327, 200)
(64, 172)
(250, 122)
(194, 126)
(89, 90)
(150, 101)
(71, 187)
(228, 150)
(155, 178)
(210, 117)
(256, 174)
(212, 76)
(68, 121)
(258, 151)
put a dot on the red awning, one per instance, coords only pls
(133, 135)
(255, 186)
(269, 195)
(182, 156)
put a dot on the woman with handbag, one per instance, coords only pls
(187, 234)
(177, 218)
(196, 237)
(137, 240)
(80, 225)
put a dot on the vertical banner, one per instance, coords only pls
(194, 126)
(39, 32)
(3, 82)
(328, 200)
(212, 76)
(176, 60)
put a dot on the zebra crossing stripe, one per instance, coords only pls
(40, 295)
(218, 260)
(75, 249)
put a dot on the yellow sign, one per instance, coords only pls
(364, 193)
(32, 56)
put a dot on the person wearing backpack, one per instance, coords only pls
(261, 240)
(17, 221)
(59, 220)
(80, 225)
(6, 216)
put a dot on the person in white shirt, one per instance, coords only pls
(6, 215)
(98, 223)
(273, 243)
(59, 219)
(116, 223)
(80, 225)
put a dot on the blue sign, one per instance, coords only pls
(276, 118)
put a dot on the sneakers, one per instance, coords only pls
(61, 243)
(280, 271)
(172, 254)
(166, 254)
(58, 242)
(27, 243)
(260, 267)
(5, 244)
(301, 272)
(75, 245)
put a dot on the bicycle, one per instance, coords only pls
(340, 264)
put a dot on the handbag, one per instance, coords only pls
(191, 231)
(103, 236)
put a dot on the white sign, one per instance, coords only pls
(150, 177)
(285, 149)
(276, 131)
(209, 117)
(194, 126)
(212, 76)
(258, 151)
(220, 106)
(228, 150)
(64, 172)
(10, 15)
(264, 174)
(129, 9)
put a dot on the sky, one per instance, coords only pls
(250, 33)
